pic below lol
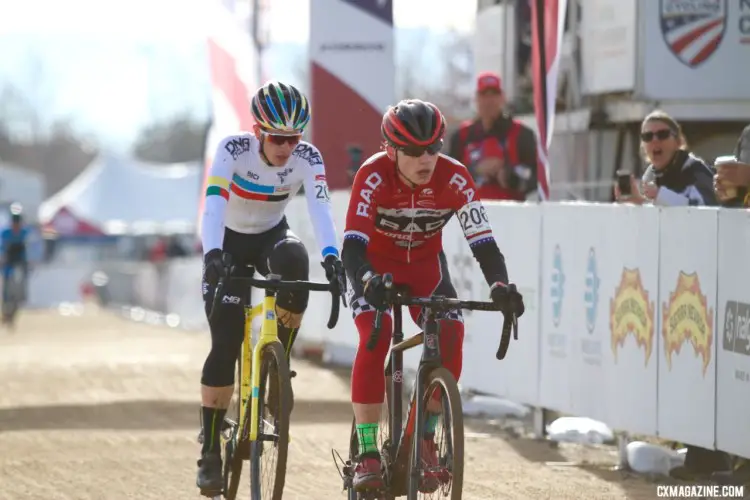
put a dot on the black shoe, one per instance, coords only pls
(209, 479)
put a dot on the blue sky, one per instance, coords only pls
(113, 67)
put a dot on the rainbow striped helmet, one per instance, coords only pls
(281, 108)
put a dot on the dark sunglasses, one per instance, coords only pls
(417, 151)
(659, 134)
(280, 140)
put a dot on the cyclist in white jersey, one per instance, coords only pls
(252, 179)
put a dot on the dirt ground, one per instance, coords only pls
(96, 407)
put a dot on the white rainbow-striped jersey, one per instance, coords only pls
(248, 196)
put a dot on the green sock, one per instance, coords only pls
(367, 435)
(430, 424)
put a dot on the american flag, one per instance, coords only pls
(547, 26)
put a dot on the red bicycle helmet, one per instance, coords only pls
(413, 123)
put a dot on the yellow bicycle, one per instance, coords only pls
(262, 411)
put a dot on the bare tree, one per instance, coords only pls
(451, 88)
(179, 139)
(55, 150)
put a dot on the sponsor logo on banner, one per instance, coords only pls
(736, 334)
(591, 297)
(591, 348)
(693, 29)
(557, 342)
(558, 286)
(686, 317)
(353, 46)
(631, 313)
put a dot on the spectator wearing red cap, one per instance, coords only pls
(499, 151)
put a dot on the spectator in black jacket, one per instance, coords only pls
(674, 177)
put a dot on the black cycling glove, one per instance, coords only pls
(375, 292)
(213, 267)
(335, 275)
(508, 297)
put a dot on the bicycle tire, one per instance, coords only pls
(444, 378)
(233, 465)
(273, 355)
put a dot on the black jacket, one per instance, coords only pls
(686, 181)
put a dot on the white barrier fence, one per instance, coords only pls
(636, 316)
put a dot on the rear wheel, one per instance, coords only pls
(442, 478)
(268, 454)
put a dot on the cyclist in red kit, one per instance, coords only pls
(401, 200)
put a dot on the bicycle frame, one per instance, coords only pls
(250, 359)
(430, 359)
(400, 434)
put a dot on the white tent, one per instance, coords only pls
(117, 195)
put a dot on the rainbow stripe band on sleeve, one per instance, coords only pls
(218, 186)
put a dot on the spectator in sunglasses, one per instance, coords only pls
(674, 176)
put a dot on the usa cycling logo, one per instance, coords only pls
(557, 288)
(693, 29)
(591, 295)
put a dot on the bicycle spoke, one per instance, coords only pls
(440, 459)
(268, 461)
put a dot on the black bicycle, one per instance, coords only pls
(264, 392)
(404, 472)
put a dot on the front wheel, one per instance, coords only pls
(436, 461)
(235, 445)
(272, 443)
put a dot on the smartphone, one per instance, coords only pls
(623, 182)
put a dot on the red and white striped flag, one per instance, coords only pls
(547, 27)
(232, 62)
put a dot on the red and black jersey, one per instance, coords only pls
(390, 219)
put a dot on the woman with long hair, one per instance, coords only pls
(674, 176)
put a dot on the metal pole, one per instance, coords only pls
(255, 33)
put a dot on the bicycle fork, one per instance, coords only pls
(269, 333)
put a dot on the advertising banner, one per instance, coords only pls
(687, 306)
(733, 325)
